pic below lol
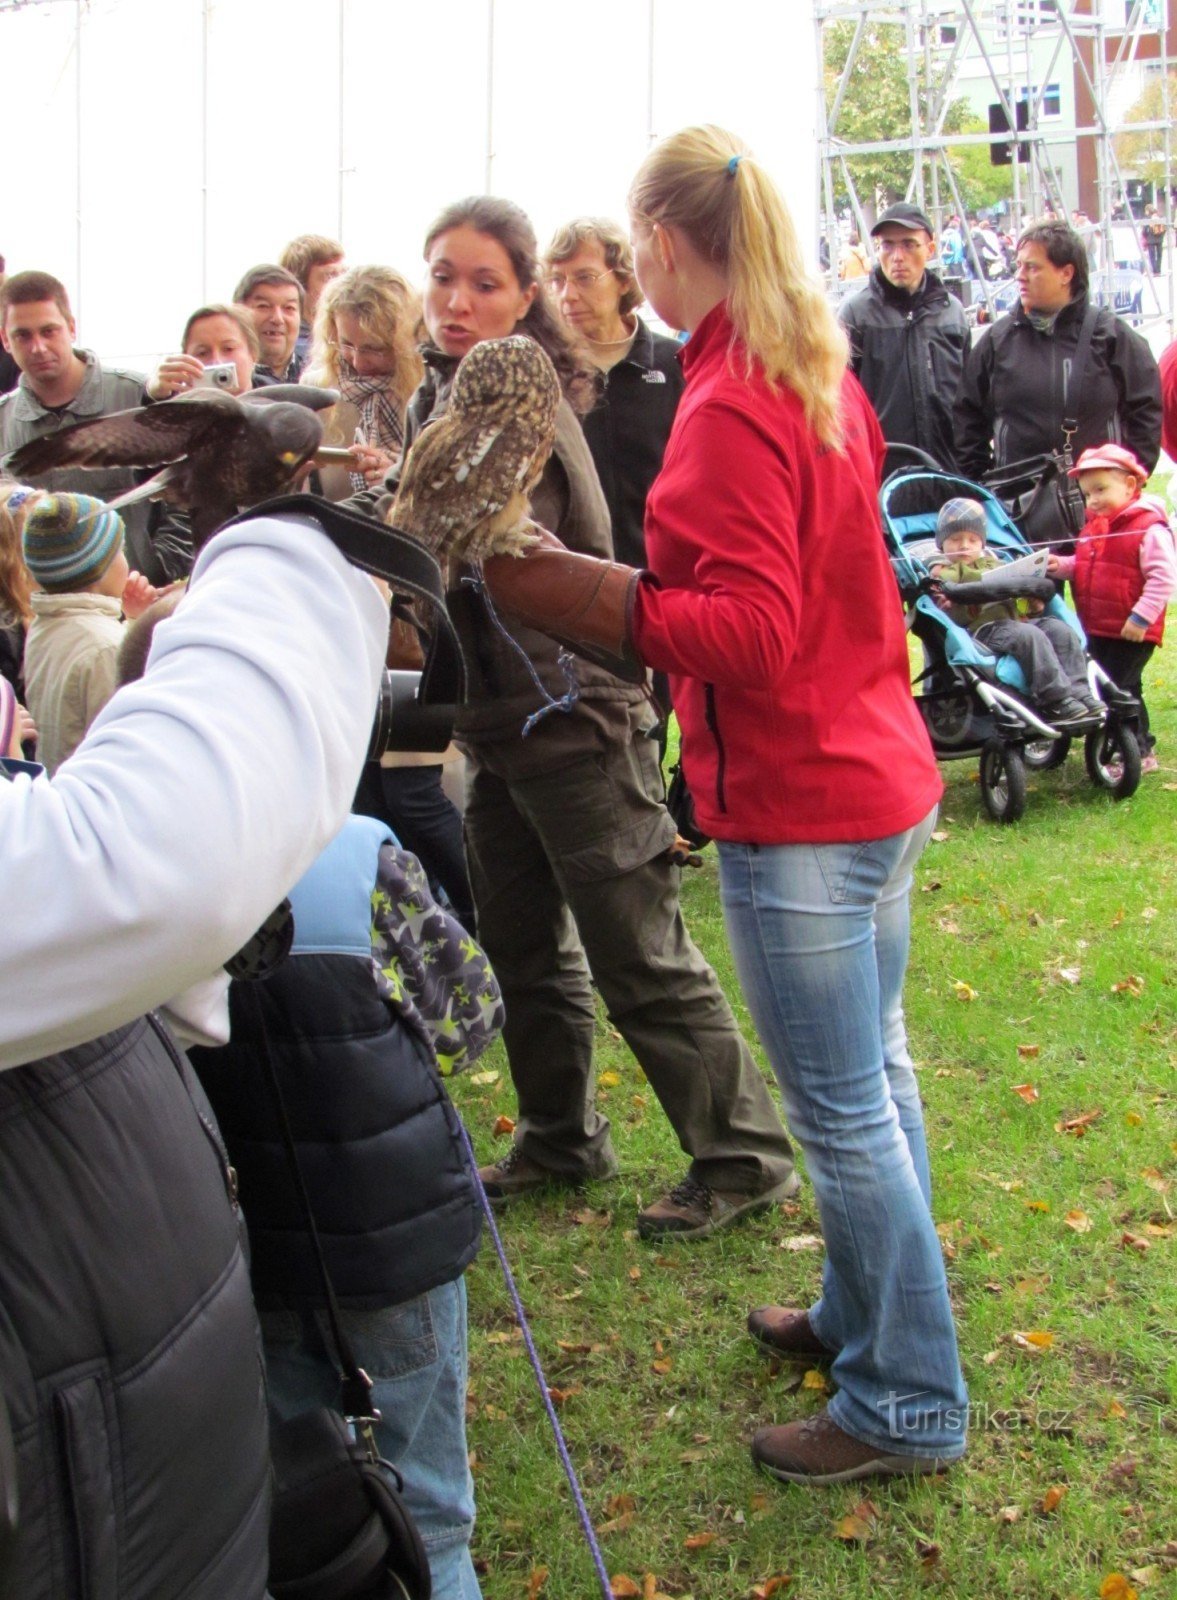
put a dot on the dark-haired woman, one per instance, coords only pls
(567, 833)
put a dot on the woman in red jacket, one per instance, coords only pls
(771, 606)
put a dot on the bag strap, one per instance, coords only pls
(408, 567)
(356, 1396)
(1075, 381)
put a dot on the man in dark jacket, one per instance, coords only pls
(908, 336)
(1019, 381)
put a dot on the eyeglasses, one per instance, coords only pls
(889, 247)
(584, 281)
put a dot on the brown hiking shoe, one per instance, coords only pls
(517, 1175)
(786, 1331)
(816, 1450)
(691, 1210)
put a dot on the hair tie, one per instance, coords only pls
(732, 165)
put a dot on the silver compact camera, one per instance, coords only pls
(221, 376)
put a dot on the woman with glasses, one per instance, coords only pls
(568, 837)
(771, 604)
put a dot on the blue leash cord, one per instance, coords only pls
(533, 1356)
(567, 666)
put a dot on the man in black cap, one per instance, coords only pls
(908, 337)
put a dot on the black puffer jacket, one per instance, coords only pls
(1014, 394)
(129, 1355)
(908, 351)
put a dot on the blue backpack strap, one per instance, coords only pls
(332, 901)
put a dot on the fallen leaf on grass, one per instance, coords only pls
(689, 1458)
(1079, 1220)
(1134, 1241)
(608, 1080)
(1159, 1230)
(1027, 1091)
(623, 1587)
(1114, 1411)
(1029, 1051)
(1079, 1125)
(1133, 1118)
(1067, 975)
(559, 1397)
(1133, 984)
(940, 836)
(1036, 1340)
(770, 1586)
(661, 1367)
(1037, 1284)
(928, 1553)
(931, 886)
(503, 1125)
(505, 1336)
(698, 1541)
(618, 1524)
(1052, 1499)
(1144, 1577)
(650, 1589)
(963, 991)
(634, 1274)
(588, 1218)
(802, 1241)
(535, 1583)
(1036, 1205)
(991, 1356)
(1009, 1514)
(814, 1379)
(1155, 1179)
(484, 1077)
(859, 1525)
(1116, 1587)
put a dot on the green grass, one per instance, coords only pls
(662, 1388)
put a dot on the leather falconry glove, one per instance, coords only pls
(582, 602)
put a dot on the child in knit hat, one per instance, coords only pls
(73, 548)
(1123, 572)
(1046, 648)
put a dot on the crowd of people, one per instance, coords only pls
(201, 717)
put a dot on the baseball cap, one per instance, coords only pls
(904, 215)
(1109, 455)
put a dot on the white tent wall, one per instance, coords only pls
(197, 136)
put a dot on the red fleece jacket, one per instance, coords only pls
(773, 608)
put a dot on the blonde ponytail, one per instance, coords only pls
(705, 181)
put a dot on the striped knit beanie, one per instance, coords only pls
(960, 515)
(70, 540)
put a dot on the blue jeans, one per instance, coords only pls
(820, 938)
(415, 1354)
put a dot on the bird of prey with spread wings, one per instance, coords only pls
(218, 452)
(465, 482)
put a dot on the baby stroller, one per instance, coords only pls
(972, 701)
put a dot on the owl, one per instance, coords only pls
(466, 480)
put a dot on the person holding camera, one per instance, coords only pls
(129, 1355)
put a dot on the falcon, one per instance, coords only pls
(466, 480)
(218, 452)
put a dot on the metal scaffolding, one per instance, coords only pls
(996, 35)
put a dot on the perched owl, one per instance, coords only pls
(466, 480)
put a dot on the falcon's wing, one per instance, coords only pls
(148, 436)
(457, 474)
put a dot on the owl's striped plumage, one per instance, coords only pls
(465, 482)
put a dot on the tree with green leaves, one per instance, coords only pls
(1141, 152)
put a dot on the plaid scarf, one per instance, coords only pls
(381, 414)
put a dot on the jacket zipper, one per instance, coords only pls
(721, 759)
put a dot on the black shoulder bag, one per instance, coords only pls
(1042, 498)
(339, 1529)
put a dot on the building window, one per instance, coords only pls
(1051, 106)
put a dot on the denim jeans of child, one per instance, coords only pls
(820, 939)
(415, 1354)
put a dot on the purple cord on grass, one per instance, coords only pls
(533, 1356)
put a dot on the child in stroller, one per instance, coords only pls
(1046, 648)
(973, 700)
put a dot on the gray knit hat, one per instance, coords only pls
(961, 516)
(70, 540)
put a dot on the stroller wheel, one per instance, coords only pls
(1043, 755)
(1113, 759)
(1003, 781)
